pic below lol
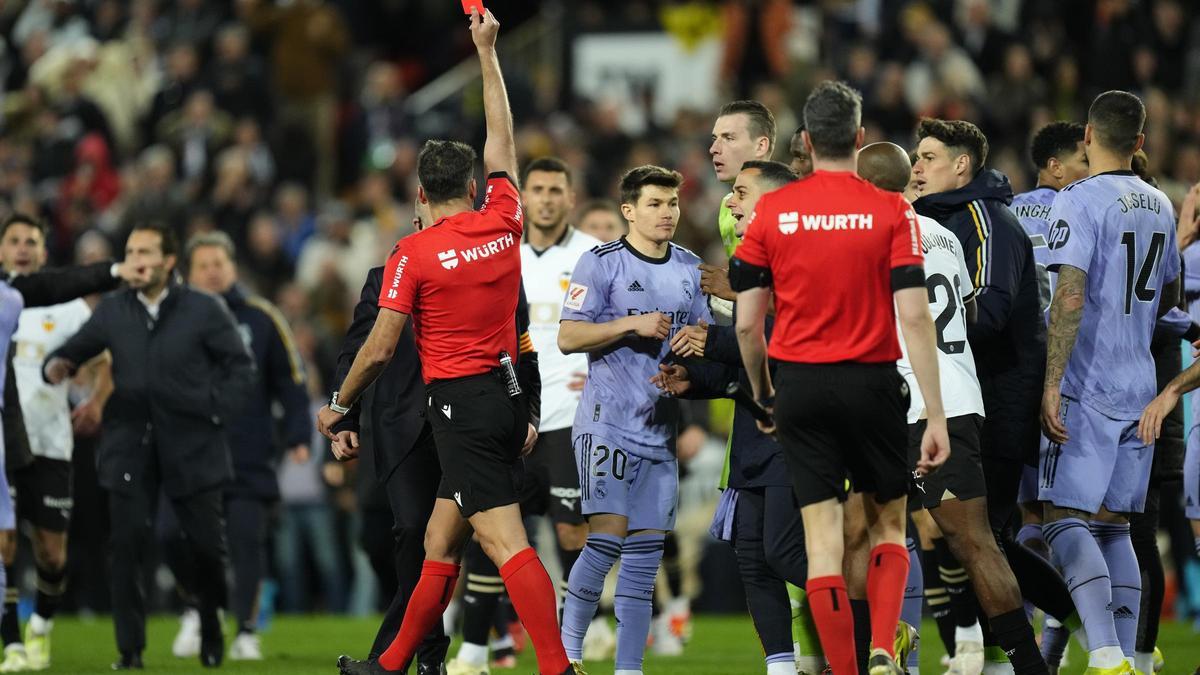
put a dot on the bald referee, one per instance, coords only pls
(837, 368)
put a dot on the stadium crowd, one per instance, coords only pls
(286, 127)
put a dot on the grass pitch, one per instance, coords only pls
(721, 645)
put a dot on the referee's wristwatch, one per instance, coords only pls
(766, 403)
(333, 405)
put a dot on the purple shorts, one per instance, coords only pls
(611, 480)
(1103, 463)
(1028, 491)
(1191, 475)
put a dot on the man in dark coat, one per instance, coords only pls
(180, 368)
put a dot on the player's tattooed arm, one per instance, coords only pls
(1066, 311)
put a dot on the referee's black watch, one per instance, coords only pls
(766, 403)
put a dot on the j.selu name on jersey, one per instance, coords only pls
(1139, 200)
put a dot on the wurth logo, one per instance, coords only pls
(839, 221)
(789, 222)
(449, 259)
(396, 277)
(489, 249)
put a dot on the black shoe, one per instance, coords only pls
(431, 669)
(349, 666)
(129, 661)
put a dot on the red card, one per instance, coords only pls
(468, 5)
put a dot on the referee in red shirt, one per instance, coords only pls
(459, 279)
(842, 258)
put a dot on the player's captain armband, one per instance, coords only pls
(908, 276)
(743, 276)
(576, 294)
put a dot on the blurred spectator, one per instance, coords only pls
(340, 253)
(237, 78)
(601, 219)
(942, 72)
(234, 197)
(157, 196)
(983, 41)
(294, 218)
(379, 209)
(1020, 89)
(247, 138)
(267, 265)
(195, 133)
(308, 40)
(86, 191)
(181, 78)
(191, 21)
(55, 21)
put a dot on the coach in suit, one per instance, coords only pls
(390, 424)
(180, 368)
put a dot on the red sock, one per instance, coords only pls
(835, 623)
(425, 606)
(532, 595)
(886, 576)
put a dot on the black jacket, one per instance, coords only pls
(1009, 336)
(251, 431)
(41, 289)
(755, 459)
(176, 380)
(394, 405)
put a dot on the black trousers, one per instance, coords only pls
(768, 537)
(132, 515)
(411, 492)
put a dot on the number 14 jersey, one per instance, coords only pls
(948, 284)
(1121, 232)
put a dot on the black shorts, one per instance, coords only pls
(479, 431)
(843, 420)
(42, 492)
(961, 477)
(551, 482)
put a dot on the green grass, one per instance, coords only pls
(722, 645)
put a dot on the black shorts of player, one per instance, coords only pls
(961, 477)
(479, 431)
(843, 420)
(43, 493)
(550, 486)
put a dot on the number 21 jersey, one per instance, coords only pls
(948, 283)
(1121, 232)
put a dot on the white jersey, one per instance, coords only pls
(949, 287)
(44, 406)
(546, 276)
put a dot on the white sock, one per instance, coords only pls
(503, 642)
(476, 655)
(1106, 657)
(781, 668)
(810, 664)
(914, 670)
(991, 668)
(628, 672)
(38, 625)
(1144, 662)
(972, 633)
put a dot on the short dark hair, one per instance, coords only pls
(760, 120)
(773, 174)
(444, 169)
(832, 117)
(18, 218)
(635, 179)
(549, 165)
(170, 241)
(1056, 139)
(959, 136)
(1117, 118)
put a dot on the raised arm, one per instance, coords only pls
(499, 150)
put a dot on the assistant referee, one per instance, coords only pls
(842, 404)
(460, 279)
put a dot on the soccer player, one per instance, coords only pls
(460, 281)
(548, 256)
(1113, 246)
(744, 131)
(801, 160)
(758, 513)
(956, 495)
(43, 488)
(837, 367)
(625, 300)
(600, 218)
(1008, 339)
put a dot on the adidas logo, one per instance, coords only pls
(1122, 612)
(636, 287)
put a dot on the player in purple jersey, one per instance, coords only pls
(625, 301)
(1113, 245)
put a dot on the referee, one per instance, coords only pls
(837, 368)
(460, 280)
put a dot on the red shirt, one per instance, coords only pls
(459, 280)
(831, 241)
